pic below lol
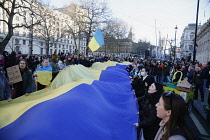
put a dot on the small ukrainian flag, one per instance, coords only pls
(97, 41)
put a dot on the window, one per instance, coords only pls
(191, 35)
(24, 42)
(66, 46)
(17, 18)
(41, 50)
(17, 48)
(30, 42)
(41, 43)
(16, 41)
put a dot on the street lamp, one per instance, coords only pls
(175, 43)
(32, 17)
(196, 28)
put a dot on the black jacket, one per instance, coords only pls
(147, 113)
(197, 80)
(139, 85)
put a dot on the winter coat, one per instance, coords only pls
(26, 85)
(190, 76)
(139, 85)
(148, 114)
(197, 80)
(4, 88)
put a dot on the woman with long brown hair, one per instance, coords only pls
(25, 86)
(171, 108)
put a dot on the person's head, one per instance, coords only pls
(155, 87)
(204, 65)
(23, 65)
(45, 62)
(177, 68)
(197, 69)
(144, 71)
(171, 108)
(192, 67)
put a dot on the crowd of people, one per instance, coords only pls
(162, 115)
(38, 71)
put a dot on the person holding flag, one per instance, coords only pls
(43, 75)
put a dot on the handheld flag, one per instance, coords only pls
(97, 41)
(44, 75)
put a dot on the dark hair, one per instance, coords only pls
(26, 68)
(146, 69)
(176, 104)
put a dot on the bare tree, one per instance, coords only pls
(96, 13)
(116, 30)
(49, 30)
(16, 8)
(77, 25)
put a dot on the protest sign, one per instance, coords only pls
(14, 74)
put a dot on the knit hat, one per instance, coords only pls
(159, 87)
(193, 66)
(149, 80)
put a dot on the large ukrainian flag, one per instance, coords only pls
(81, 104)
(97, 41)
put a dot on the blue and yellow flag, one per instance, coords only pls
(97, 41)
(44, 75)
(81, 104)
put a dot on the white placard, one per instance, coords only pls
(184, 95)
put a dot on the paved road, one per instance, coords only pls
(199, 127)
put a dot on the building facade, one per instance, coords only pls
(186, 44)
(203, 42)
(32, 40)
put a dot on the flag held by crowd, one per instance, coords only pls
(97, 41)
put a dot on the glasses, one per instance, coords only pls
(169, 94)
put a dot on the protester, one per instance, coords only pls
(171, 108)
(43, 74)
(190, 74)
(24, 87)
(4, 86)
(178, 75)
(55, 66)
(198, 82)
(149, 122)
(139, 83)
(204, 75)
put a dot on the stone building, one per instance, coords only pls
(34, 40)
(203, 43)
(186, 44)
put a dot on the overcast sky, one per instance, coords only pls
(141, 15)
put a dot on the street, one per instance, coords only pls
(199, 127)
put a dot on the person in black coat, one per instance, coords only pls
(138, 83)
(198, 82)
(149, 121)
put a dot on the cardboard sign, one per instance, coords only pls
(14, 74)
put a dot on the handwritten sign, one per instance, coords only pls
(14, 74)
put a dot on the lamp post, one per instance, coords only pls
(175, 43)
(196, 28)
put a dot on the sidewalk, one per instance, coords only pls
(199, 105)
